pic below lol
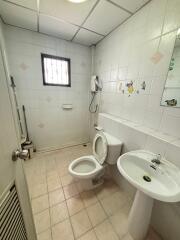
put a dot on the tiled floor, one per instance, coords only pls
(62, 211)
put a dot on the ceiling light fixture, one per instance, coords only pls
(77, 1)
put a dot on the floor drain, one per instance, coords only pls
(147, 179)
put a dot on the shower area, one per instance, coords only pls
(57, 116)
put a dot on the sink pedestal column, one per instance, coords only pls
(140, 216)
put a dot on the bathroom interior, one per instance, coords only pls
(89, 119)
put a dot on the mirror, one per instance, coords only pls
(171, 94)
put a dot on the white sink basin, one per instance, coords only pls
(165, 179)
(153, 181)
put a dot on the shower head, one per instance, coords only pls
(98, 84)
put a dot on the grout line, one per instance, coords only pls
(19, 5)
(66, 206)
(46, 160)
(162, 29)
(58, 149)
(38, 15)
(62, 20)
(124, 21)
(122, 8)
(92, 9)
(67, 22)
(69, 218)
(2, 19)
(48, 196)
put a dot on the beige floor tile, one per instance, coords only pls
(80, 223)
(53, 183)
(63, 161)
(46, 235)
(42, 221)
(62, 231)
(75, 204)
(113, 203)
(79, 187)
(107, 189)
(70, 191)
(152, 235)
(88, 236)
(104, 231)
(96, 214)
(89, 198)
(126, 208)
(127, 237)
(56, 197)
(63, 170)
(38, 190)
(66, 180)
(39, 204)
(58, 213)
(61, 186)
(52, 174)
(119, 222)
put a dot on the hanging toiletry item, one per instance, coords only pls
(171, 65)
(172, 102)
(130, 87)
(143, 85)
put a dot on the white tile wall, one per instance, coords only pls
(49, 125)
(165, 217)
(126, 55)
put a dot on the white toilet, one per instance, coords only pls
(90, 169)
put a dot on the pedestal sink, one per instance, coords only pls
(153, 181)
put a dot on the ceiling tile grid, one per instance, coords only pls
(18, 16)
(87, 38)
(105, 18)
(55, 27)
(85, 23)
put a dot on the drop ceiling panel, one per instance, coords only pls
(87, 38)
(32, 4)
(18, 16)
(131, 5)
(55, 27)
(105, 18)
(68, 11)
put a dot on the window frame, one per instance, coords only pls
(68, 60)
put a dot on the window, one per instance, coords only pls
(55, 70)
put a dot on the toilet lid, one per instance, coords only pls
(100, 147)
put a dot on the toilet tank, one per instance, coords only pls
(114, 149)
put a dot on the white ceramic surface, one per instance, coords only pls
(165, 180)
(85, 167)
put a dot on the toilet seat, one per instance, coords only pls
(85, 167)
(100, 147)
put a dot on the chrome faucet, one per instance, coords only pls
(157, 160)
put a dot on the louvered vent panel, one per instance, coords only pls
(11, 220)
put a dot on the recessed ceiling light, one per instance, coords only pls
(77, 1)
